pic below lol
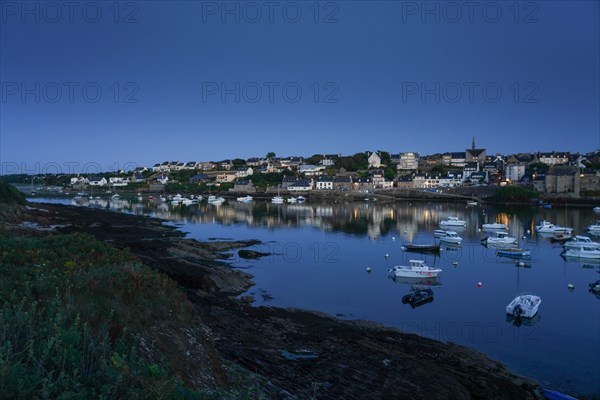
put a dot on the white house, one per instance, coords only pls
(374, 160)
(225, 177)
(163, 179)
(79, 181)
(325, 183)
(554, 158)
(97, 181)
(243, 172)
(450, 180)
(514, 172)
(469, 168)
(118, 181)
(408, 161)
(300, 185)
(309, 170)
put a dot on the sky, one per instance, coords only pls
(114, 85)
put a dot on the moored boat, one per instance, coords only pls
(513, 253)
(451, 237)
(580, 241)
(493, 226)
(453, 221)
(277, 200)
(554, 395)
(245, 199)
(583, 252)
(416, 269)
(501, 239)
(547, 227)
(594, 227)
(438, 233)
(418, 297)
(524, 305)
(597, 209)
(422, 247)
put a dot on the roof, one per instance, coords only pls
(289, 179)
(302, 182)
(325, 178)
(460, 154)
(475, 152)
(342, 179)
(471, 165)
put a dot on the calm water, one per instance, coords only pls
(321, 252)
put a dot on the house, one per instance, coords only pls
(377, 178)
(325, 183)
(310, 170)
(590, 182)
(387, 184)
(329, 159)
(479, 177)
(408, 161)
(225, 177)
(243, 172)
(255, 161)
(118, 181)
(291, 162)
(226, 165)
(554, 158)
(137, 178)
(563, 179)
(363, 184)
(539, 183)
(522, 158)
(198, 178)
(300, 185)
(451, 180)
(458, 159)
(425, 181)
(244, 185)
(394, 159)
(80, 180)
(469, 168)
(490, 167)
(163, 179)
(475, 155)
(288, 181)
(342, 183)
(190, 165)
(97, 181)
(404, 182)
(205, 166)
(514, 172)
(374, 160)
(447, 159)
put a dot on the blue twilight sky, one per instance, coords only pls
(146, 81)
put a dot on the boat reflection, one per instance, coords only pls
(417, 282)
(518, 321)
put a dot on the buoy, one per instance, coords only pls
(478, 229)
(570, 286)
(528, 231)
(524, 237)
(386, 255)
(368, 269)
(393, 237)
(521, 264)
(441, 249)
(405, 231)
(479, 284)
(455, 263)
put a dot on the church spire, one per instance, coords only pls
(473, 143)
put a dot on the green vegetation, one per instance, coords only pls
(354, 163)
(261, 181)
(11, 195)
(73, 315)
(515, 193)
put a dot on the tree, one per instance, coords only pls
(270, 154)
(389, 173)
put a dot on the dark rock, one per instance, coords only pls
(251, 254)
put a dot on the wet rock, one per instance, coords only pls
(251, 254)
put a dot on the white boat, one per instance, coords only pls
(211, 198)
(451, 237)
(216, 201)
(493, 226)
(524, 305)
(300, 199)
(597, 209)
(438, 233)
(583, 252)
(594, 228)
(115, 196)
(187, 202)
(292, 200)
(471, 203)
(501, 239)
(581, 241)
(246, 199)
(277, 200)
(416, 269)
(453, 221)
(547, 227)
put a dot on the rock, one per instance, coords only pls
(251, 254)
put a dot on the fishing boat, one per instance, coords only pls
(300, 199)
(513, 253)
(524, 305)
(416, 269)
(583, 252)
(493, 226)
(594, 227)
(580, 241)
(501, 239)
(422, 247)
(453, 221)
(451, 237)
(115, 196)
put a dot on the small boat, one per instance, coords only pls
(597, 209)
(595, 287)
(554, 395)
(471, 203)
(217, 201)
(493, 226)
(246, 199)
(300, 199)
(524, 305)
(418, 297)
(594, 228)
(416, 269)
(513, 253)
(547, 227)
(438, 233)
(187, 202)
(211, 198)
(561, 237)
(422, 247)
(581, 241)
(451, 237)
(277, 200)
(501, 239)
(453, 221)
(583, 252)
(150, 198)
(115, 196)
(292, 200)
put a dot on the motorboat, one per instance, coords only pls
(471, 203)
(453, 221)
(561, 237)
(594, 228)
(422, 247)
(211, 198)
(597, 209)
(246, 199)
(418, 297)
(583, 252)
(547, 227)
(292, 200)
(501, 239)
(524, 305)
(277, 200)
(595, 287)
(115, 196)
(416, 269)
(300, 199)
(513, 253)
(438, 233)
(451, 237)
(493, 226)
(217, 201)
(579, 241)
(187, 202)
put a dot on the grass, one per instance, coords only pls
(73, 314)
(11, 195)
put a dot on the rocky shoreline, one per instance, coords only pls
(294, 354)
